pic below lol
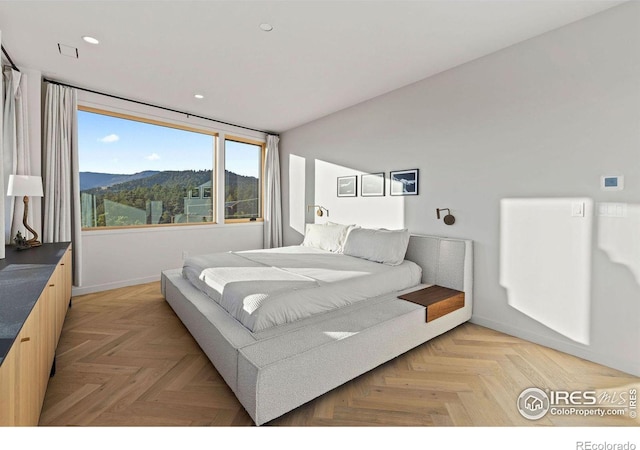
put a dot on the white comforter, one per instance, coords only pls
(265, 288)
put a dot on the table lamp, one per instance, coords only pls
(25, 185)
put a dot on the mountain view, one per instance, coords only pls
(90, 180)
(163, 197)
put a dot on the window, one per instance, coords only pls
(137, 172)
(243, 161)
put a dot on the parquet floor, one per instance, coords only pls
(125, 359)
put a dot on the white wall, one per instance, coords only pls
(544, 118)
(117, 258)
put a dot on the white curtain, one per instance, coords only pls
(61, 173)
(16, 151)
(272, 205)
(3, 187)
(8, 143)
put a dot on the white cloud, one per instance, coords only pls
(109, 138)
(152, 157)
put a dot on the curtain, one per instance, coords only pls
(8, 143)
(3, 187)
(61, 176)
(272, 206)
(16, 151)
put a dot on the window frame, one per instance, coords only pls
(263, 147)
(216, 138)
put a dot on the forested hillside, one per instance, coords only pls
(90, 180)
(170, 189)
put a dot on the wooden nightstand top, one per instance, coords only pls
(438, 300)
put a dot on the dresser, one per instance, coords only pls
(35, 291)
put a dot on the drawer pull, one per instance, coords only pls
(62, 264)
(27, 339)
(52, 285)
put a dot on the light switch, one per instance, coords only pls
(577, 209)
(603, 209)
(612, 210)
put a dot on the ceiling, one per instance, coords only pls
(320, 57)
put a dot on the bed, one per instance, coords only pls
(276, 351)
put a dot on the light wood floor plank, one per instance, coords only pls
(125, 359)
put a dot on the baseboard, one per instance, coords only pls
(630, 367)
(82, 290)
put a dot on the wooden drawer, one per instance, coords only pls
(24, 372)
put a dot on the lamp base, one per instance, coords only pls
(23, 243)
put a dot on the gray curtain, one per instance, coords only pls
(61, 173)
(16, 151)
(272, 202)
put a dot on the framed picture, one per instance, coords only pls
(404, 182)
(372, 185)
(348, 186)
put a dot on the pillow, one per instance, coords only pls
(346, 228)
(328, 237)
(383, 246)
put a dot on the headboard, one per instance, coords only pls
(446, 262)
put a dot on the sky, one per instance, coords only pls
(113, 145)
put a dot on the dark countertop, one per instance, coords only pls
(23, 276)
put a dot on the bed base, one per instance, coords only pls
(279, 369)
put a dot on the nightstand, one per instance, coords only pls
(437, 299)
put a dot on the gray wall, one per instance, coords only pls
(544, 118)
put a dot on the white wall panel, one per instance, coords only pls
(117, 258)
(545, 261)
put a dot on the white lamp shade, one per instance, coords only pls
(20, 185)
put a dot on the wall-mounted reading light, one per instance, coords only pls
(448, 219)
(321, 210)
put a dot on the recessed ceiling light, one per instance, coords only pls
(199, 96)
(90, 40)
(266, 27)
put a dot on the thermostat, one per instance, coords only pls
(612, 183)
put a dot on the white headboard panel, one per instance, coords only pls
(446, 262)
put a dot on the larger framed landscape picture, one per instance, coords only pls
(348, 186)
(404, 182)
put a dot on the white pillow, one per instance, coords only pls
(328, 237)
(346, 229)
(383, 246)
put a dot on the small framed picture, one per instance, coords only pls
(372, 185)
(348, 186)
(404, 182)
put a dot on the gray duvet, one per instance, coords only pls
(267, 288)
